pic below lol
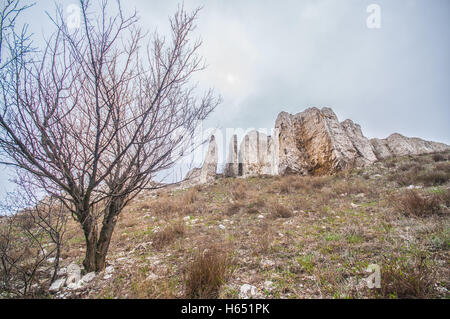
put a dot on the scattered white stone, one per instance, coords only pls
(62, 272)
(57, 285)
(51, 260)
(222, 227)
(107, 276)
(261, 217)
(109, 269)
(152, 276)
(247, 291)
(281, 235)
(354, 205)
(88, 277)
(73, 276)
(360, 195)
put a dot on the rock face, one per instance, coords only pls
(399, 145)
(256, 155)
(292, 155)
(362, 145)
(232, 165)
(312, 142)
(208, 171)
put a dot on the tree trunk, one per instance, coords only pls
(106, 233)
(56, 263)
(90, 234)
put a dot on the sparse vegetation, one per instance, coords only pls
(315, 241)
(409, 278)
(169, 234)
(207, 273)
(413, 203)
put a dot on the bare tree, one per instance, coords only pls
(18, 42)
(101, 112)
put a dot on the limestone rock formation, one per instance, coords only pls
(363, 147)
(256, 155)
(314, 142)
(292, 156)
(399, 145)
(328, 147)
(311, 142)
(232, 164)
(208, 171)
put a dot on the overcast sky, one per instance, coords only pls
(268, 56)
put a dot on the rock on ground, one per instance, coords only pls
(247, 291)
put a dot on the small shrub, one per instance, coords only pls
(168, 235)
(444, 167)
(207, 273)
(439, 157)
(233, 209)
(252, 211)
(406, 278)
(432, 178)
(280, 211)
(412, 203)
(428, 178)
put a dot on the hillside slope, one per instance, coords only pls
(284, 237)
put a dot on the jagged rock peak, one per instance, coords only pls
(314, 142)
(208, 171)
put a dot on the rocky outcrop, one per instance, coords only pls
(292, 155)
(362, 145)
(314, 142)
(256, 155)
(208, 171)
(328, 147)
(232, 164)
(399, 145)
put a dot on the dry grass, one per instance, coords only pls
(207, 273)
(265, 238)
(407, 278)
(439, 157)
(310, 241)
(169, 235)
(420, 171)
(413, 203)
(238, 191)
(280, 211)
(233, 209)
(190, 196)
